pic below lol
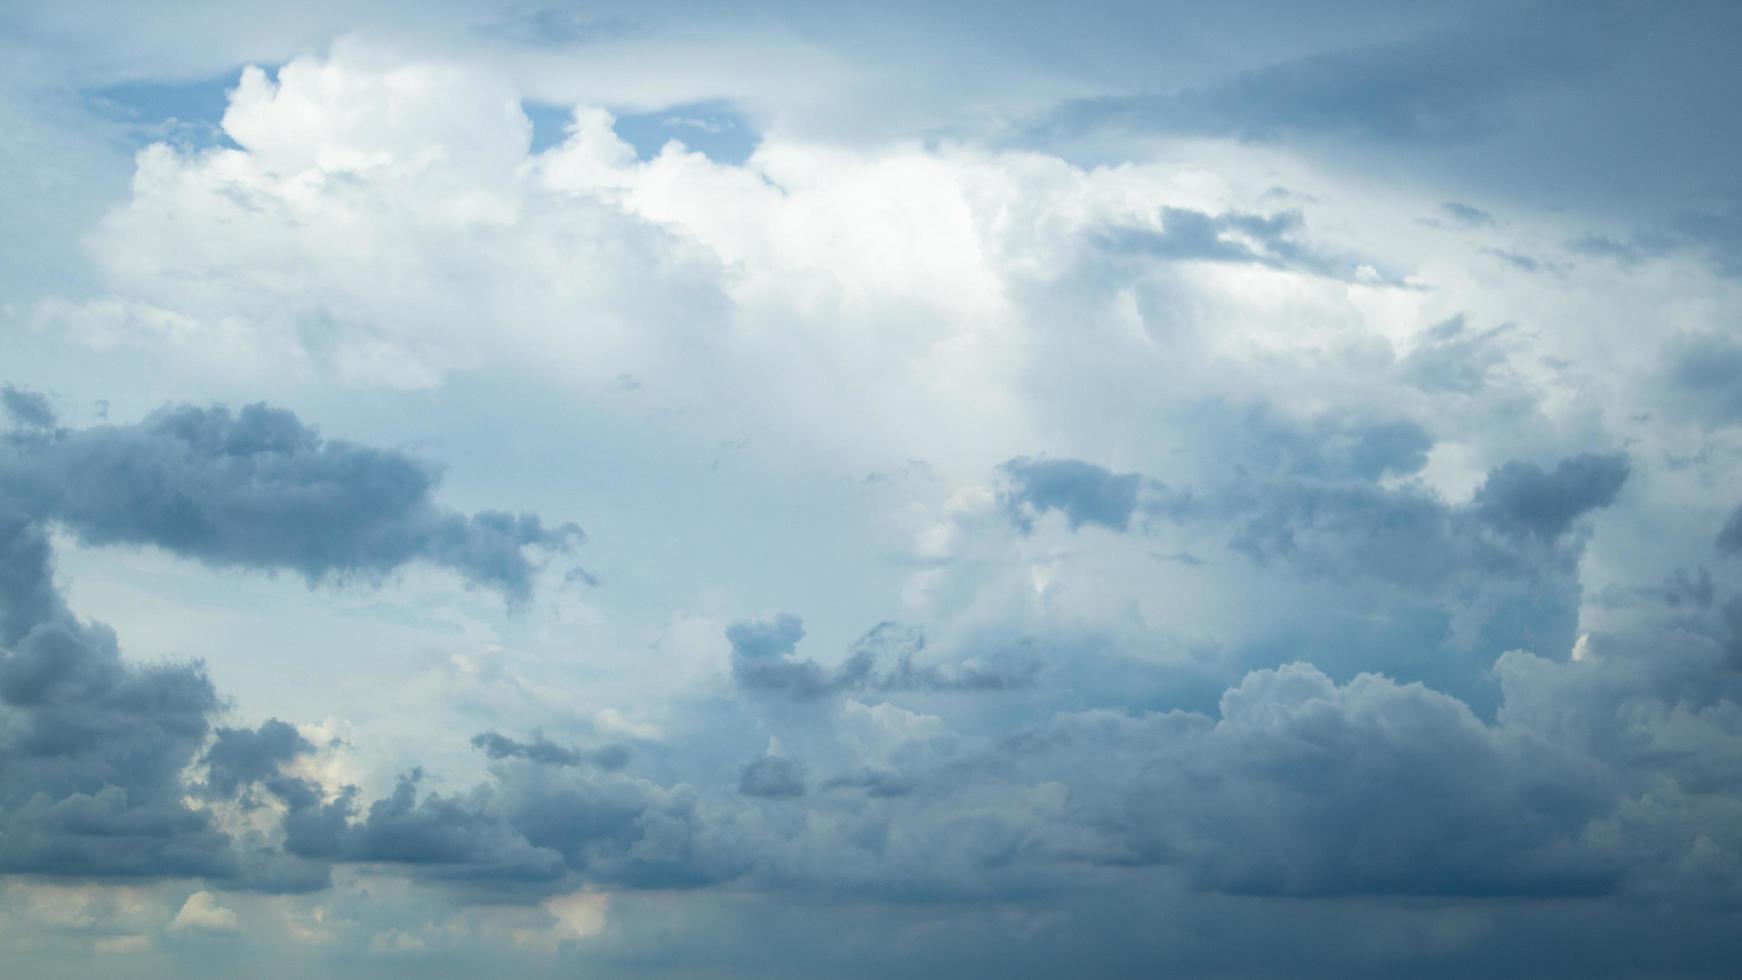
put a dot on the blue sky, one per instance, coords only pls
(1239, 490)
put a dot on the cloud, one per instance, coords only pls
(1467, 215)
(886, 659)
(1452, 358)
(1729, 543)
(1702, 373)
(201, 913)
(29, 409)
(755, 640)
(1443, 88)
(239, 756)
(259, 489)
(546, 752)
(92, 747)
(535, 828)
(1523, 500)
(1305, 787)
(1317, 503)
(1083, 492)
(1193, 236)
(772, 777)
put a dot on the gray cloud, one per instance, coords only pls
(1255, 441)
(1083, 492)
(886, 659)
(1304, 787)
(1704, 376)
(1443, 88)
(754, 640)
(1524, 500)
(258, 489)
(92, 748)
(239, 756)
(546, 752)
(1464, 214)
(876, 783)
(27, 408)
(1453, 358)
(533, 826)
(773, 777)
(1729, 543)
(1235, 236)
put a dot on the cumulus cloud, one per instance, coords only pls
(534, 827)
(93, 745)
(239, 756)
(1455, 807)
(1415, 640)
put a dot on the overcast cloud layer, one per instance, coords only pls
(1246, 490)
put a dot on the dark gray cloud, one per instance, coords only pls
(1524, 500)
(545, 752)
(92, 747)
(1443, 587)
(1515, 526)
(459, 836)
(889, 658)
(1083, 492)
(1252, 443)
(258, 489)
(1304, 787)
(239, 756)
(1308, 493)
(533, 827)
(773, 777)
(27, 408)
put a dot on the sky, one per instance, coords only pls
(792, 490)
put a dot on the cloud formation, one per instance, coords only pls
(259, 489)
(94, 746)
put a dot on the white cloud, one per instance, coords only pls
(201, 913)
